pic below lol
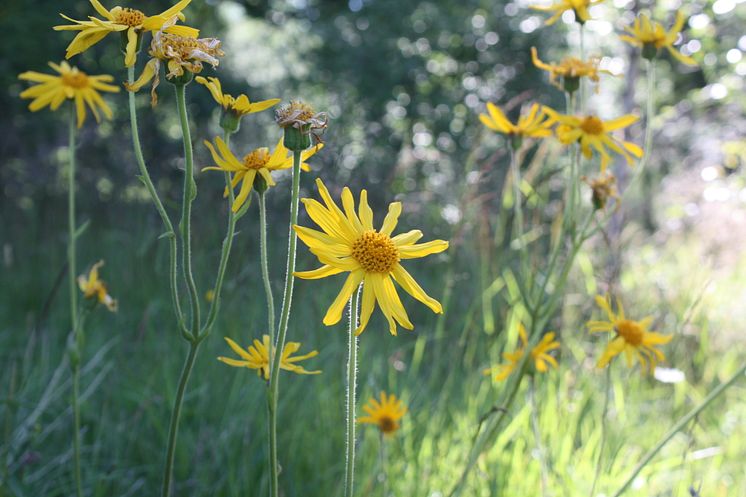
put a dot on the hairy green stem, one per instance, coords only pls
(274, 380)
(265, 266)
(72, 273)
(173, 429)
(582, 57)
(649, 113)
(678, 426)
(517, 204)
(537, 435)
(185, 225)
(604, 413)
(351, 394)
(145, 178)
(224, 255)
(384, 473)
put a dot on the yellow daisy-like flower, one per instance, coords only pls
(570, 70)
(181, 54)
(540, 355)
(632, 337)
(593, 134)
(257, 162)
(579, 7)
(348, 242)
(256, 356)
(535, 124)
(93, 288)
(240, 105)
(384, 414)
(72, 84)
(651, 36)
(122, 20)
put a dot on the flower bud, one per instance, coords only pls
(649, 51)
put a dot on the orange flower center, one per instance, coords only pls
(256, 159)
(630, 331)
(75, 79)
(592, 125)
(375, 252)
(387, 425)
(129, 17)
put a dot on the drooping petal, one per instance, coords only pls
(334, 313)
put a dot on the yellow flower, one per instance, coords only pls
(579, 7)
(120, 19)
(350, 243)
(240, 105)
(385, 414)
(632, 337)
(257, 162)
(72, 84)
(92, 287)
(603, 189)
(593, 134)
(535, 124)
(539, 354)
(257, 357)
(651, 36)
(182, 55)
(570, 69)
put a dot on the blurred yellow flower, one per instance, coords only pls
(257, 162)
(593, 134)
(240, 105)
(122, 20)
(535, 124)
(579, 7)
(570, 69)
(632, 337)
(348, 242)
(256, 356)
(183, 56)
(72, 84)
(540, 355)
(385, 414)
(651, 35)
(603, 188)
(93, 288)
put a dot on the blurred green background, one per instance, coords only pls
(403, 82)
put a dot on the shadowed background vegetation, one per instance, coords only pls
(403, 83)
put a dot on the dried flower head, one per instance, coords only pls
(603, 188)
(300, 121)
(183, 56)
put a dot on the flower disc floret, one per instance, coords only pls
(384, 413)
(375, 252)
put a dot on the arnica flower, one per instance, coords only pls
(535, 124)
(122, 20)
(72, 84)
(256, 356)
(603, 188)
(350, 243)
(651, 36)
(259, 162)
(384, 414)
(241, 105)
(632, 337)
(579, 7)
(593, 134)
(93, 288)
(183, 56)
(569, 70)
(539, 354)
(300, 121)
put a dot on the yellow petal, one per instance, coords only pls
(334, 313)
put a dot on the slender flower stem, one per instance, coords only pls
(649, 113)
(604, 413)
(517, 204)
(384, 473)
(265, 266)
(537, 436)
(680, 424)
(145, 178)
(190, 192)
(72, 273)
(351, 395)
(224, 255)
(173, 429)
(582, 57)
(274, 380)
